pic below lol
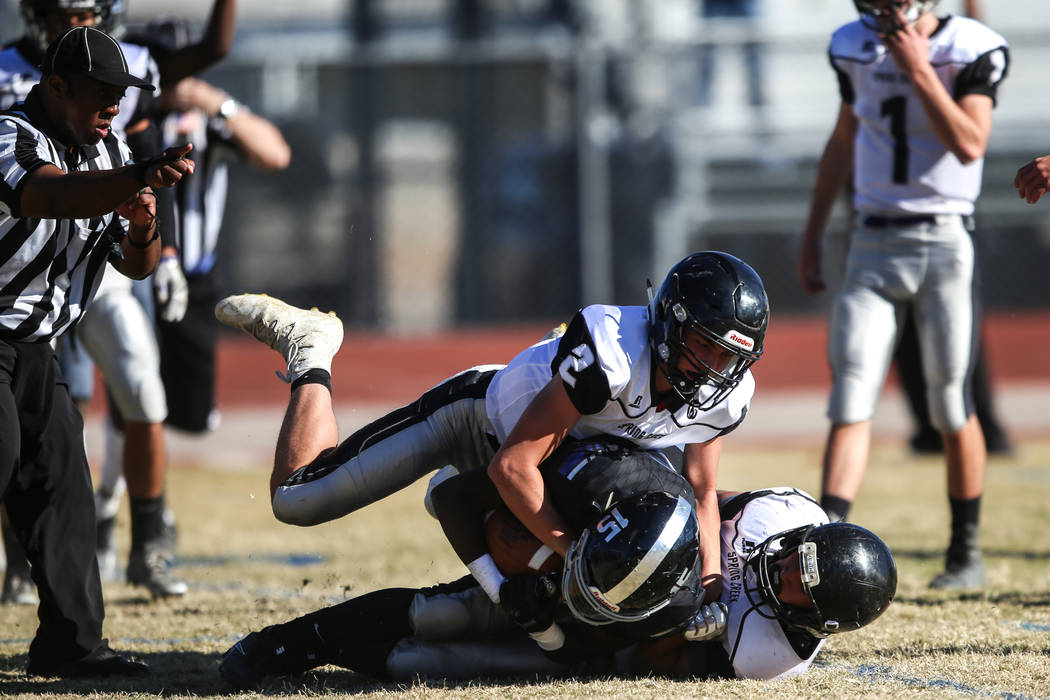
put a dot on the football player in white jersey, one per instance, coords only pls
(917, 98)
(673, 373)
(791, 579)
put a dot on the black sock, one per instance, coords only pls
(357, 634)
(966, 514)
(836, 508)
(147, 521)
(314, 376)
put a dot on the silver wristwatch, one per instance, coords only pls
(228, 108)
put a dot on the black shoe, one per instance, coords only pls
(101, 662)
(247, 662)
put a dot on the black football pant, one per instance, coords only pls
(187, 358)
(46, 487)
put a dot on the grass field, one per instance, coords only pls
(246, 570)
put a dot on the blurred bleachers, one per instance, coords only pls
(453, 168)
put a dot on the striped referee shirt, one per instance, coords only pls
(49, 268)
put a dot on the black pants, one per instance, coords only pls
(46, 487)
(187, 358)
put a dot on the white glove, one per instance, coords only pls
(173, 293)
(709, 623)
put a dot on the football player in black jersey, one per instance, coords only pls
(632, 575)
(791, 580)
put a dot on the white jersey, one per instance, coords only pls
(605, 363)
(19, 73)
(757, 644)
(900, 166)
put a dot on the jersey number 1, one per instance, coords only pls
(896, 108)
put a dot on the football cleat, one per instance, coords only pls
(151, 567)
(106, 549)
(247, 662)
(306, 338)
(961, 575)
(19, 589)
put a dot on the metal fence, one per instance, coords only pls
(518, 174)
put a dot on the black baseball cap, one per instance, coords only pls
(92, 53)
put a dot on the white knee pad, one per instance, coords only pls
(120, 339)
(443, 474)
(111, 486)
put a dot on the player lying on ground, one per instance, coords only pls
(790, 579)
(642, 582)
(675, 373)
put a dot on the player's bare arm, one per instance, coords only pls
(515, 467)
(836, 164)
(51, 193)
(963, 127)
(1033, 179)
(460, 504)
(701, 470)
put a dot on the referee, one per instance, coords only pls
(65, 176)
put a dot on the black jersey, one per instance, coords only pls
(585, 479)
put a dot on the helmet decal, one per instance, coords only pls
(739, 339)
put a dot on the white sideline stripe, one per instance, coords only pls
(541, 555)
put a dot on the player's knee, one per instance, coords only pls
(948, 412)
(850, 403)
(441, 475)
(292, 510)
(439, 617)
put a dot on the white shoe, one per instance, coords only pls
(307, 338)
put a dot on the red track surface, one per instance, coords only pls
(394, 369)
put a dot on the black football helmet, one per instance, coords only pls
(721, 298)
(36, 14)
(847, 571)
(879, 14)
(629, 563)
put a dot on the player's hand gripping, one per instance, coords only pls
(173, 292)
(710, 623)
(530, 600)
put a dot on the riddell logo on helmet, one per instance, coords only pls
(741, 341)
(602, 600)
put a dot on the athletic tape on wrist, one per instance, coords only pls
(488, 575)
(549, 639)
